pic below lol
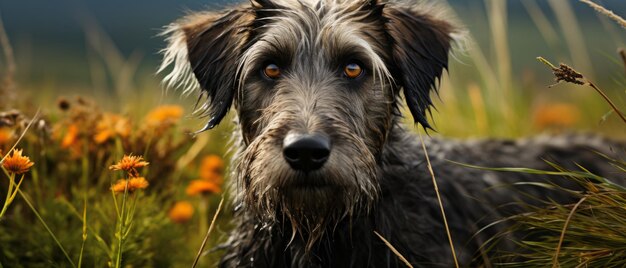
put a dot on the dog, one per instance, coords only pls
(322, 161)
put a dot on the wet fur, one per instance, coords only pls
(376, 178)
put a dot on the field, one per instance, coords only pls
(109, 174)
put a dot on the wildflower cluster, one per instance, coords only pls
(87, 127)
(130, 164)
(87, 132)
(210, 180)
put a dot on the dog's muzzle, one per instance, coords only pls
(306, 152)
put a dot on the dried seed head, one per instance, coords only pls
(567, 74)
(63, 104)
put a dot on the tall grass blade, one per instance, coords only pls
(67, 256)
(443, 213)
(394, 250)
(208, 233)
(555, 264)
(541, 21)
(573, 35)
(621, 21)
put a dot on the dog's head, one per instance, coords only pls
(316, 85)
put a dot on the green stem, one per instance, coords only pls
(15, 190)
(85, 179)
(82, 246)
(130, 214)
(546, 62)
(93, 232)
(120, 231)
(606, 98)
(204, 219)
(9, 193)
(46, 226)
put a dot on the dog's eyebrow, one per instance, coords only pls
(269, 49)
(353, 44)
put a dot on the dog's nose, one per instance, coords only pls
(306, 152)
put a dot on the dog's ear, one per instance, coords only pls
(420, 47)
(209, 45)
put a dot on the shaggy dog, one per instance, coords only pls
(322, 161)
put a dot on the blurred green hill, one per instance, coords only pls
(51, 45)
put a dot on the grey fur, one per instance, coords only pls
(375, 178)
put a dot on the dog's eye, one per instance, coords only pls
(272, 71)
(352, 70)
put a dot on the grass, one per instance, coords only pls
(67, 214)
(588, 233)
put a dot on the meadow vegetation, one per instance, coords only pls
(128, 185)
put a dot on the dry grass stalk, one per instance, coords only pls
(544, 26)
(621, 21)
(569, 75)
(622, 55)
(394, 250)
(7, 86)
(574, 37)
(562, 237)
(443, 212)
(208, 233)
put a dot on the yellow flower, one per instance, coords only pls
(119, 186)
(212, 168)
(111, 125)
(181, 212)
(164, 114)
(201, 187)
(17, 163)
(133, 184)
(71, 136)
(129, 163)
(555, 115)
(6, 135)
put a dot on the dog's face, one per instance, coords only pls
(316, 88)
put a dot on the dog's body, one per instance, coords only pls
(408, 215)
(322, 162)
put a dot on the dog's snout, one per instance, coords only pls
(306, 152)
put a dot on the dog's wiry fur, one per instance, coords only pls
(375, 178)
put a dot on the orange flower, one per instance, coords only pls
(133, 184)
(119, 186)
(111, 125)
(181, 212)
(129, 163)
(201, 187)
(212, 168)
(6, 135)
(213, 178)
(555, 115)
(164, 114)
(71, 136)
(17, 163)
(138, 183)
